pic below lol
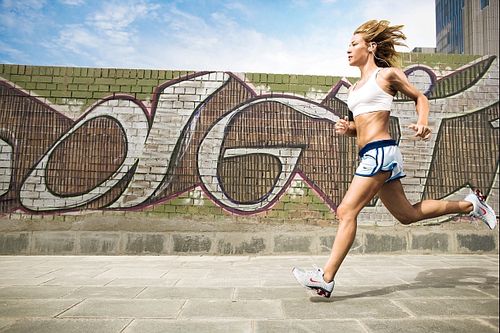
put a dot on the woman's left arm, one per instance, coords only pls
(399, 82)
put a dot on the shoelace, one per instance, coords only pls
(317, 269)
(480, 195)
(319, 273)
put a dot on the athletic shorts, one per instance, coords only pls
(380, 156)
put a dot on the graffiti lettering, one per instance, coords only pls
(211, 130)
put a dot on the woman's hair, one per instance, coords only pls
(386, 37)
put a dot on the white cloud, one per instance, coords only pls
(72, 2)
(220, 40)
(24, 5)
(118, 16)
(108, 36)
(240, 7)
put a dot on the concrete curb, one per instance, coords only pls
(369, 240)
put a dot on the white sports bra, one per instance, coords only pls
(369, 98)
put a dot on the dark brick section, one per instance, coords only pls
(54, 243)
(292, 244)
(384, 243)
(434, 242)
(14, 243)
(476, 243)
(144, 244)
(192, 243)
(255, 245)
(99, 243)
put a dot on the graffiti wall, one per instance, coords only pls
(74, 140)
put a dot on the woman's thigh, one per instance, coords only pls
(360, 192)
(394, 199)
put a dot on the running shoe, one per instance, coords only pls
(481, 209)
(313, 280)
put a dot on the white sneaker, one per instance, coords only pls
(482, 210)
(314, 280)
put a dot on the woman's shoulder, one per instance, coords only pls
(392, 74)
(391, 71)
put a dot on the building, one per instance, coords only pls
(427, 50)
(467, 26)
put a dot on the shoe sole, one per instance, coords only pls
(322, 292)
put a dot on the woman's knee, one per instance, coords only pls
(345, 213)
(408, 218)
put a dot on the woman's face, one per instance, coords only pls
(357, 52)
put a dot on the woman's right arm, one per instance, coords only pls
(345, 127)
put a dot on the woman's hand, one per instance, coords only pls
(342, 126)
(421, 131)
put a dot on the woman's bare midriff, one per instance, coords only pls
(372, 126)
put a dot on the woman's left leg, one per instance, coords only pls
(393, 197)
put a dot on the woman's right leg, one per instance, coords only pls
(360, 192)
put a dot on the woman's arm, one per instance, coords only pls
(345, 127)
(399, 82)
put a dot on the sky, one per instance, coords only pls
(252, 36)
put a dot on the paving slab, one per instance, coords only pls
(77, 281)
(104, 292)
(246, 309)
(6, 322)
(307, 326)
(415, 325)
(269, 293)
(124, 308)
(185, 293)
(21, 308)
(183, 326)
(138, 282)
(66, 325)
(35, 292)
(23, 281)
(345, 308)
(451, 307)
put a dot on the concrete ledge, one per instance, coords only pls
(369, 240)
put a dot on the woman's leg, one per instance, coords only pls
(360, 192)
(394, 198)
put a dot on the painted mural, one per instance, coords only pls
(243, 149)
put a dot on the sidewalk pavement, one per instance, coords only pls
(373, 293)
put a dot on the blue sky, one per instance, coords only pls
(272, 36)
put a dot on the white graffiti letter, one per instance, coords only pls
(211, 149)
(175, 114)
(34, 193)
(5, 166)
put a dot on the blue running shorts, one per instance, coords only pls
(377, 156)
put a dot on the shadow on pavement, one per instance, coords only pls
(434, 278)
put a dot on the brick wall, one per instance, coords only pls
(211, 145)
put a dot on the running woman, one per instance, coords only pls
(381, 165)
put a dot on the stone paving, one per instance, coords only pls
(373, 293)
